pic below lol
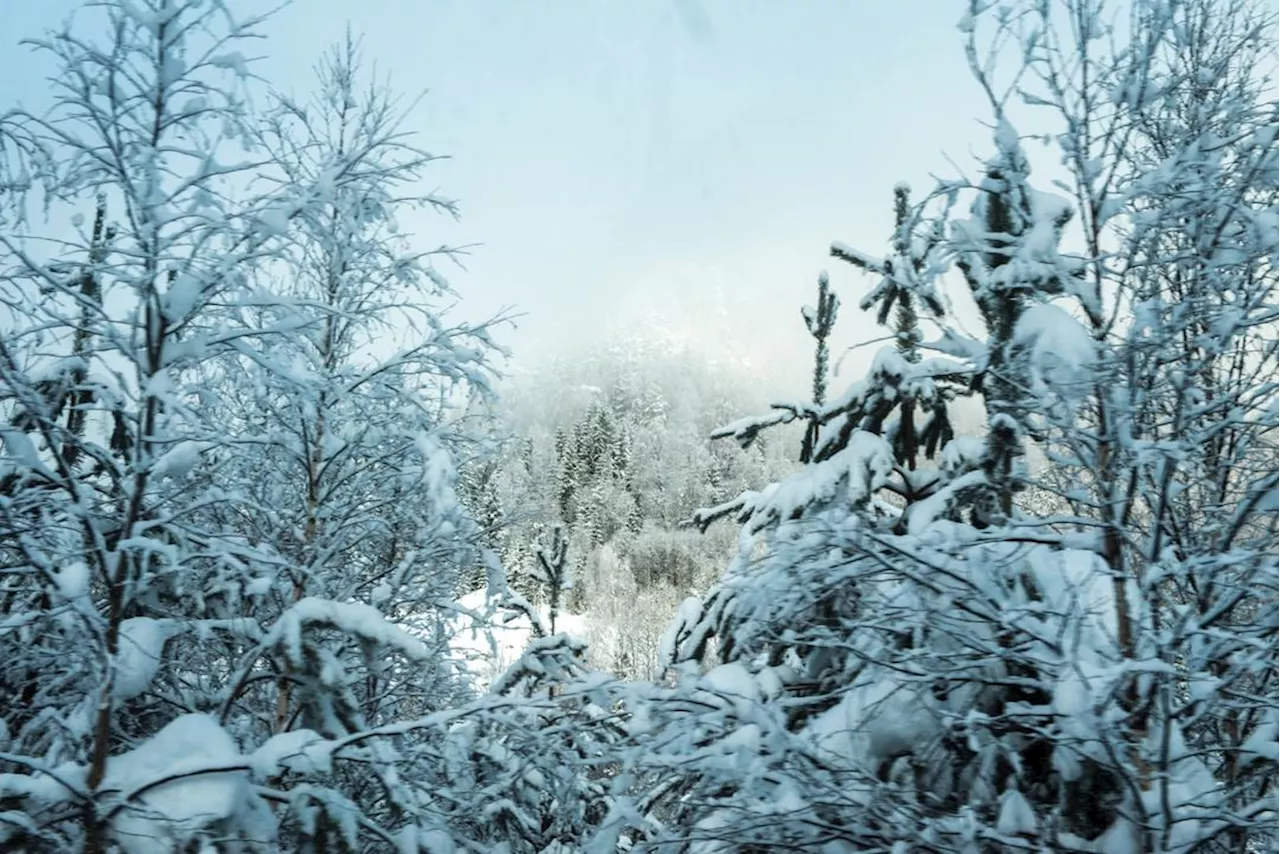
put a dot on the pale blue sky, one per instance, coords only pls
(692, 158)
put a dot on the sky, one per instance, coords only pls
(674, 167)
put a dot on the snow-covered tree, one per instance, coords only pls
(612, 447)
(223, 478)
(1172, 161)
(943, 669)
(103, 425)
(350, 427)
(657, 405)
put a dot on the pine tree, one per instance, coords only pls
(954, 672)
(905, 280)
(819, 321)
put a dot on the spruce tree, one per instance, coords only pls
(954, 672)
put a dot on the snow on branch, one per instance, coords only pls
(354, 618)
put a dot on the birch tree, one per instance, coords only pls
(216, 488)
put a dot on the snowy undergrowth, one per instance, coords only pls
(489, 646)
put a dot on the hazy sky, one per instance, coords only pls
(682, 163)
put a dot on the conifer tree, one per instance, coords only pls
(953, 671)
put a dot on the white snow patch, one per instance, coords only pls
(162, 818)
(260, 586)
(301, 750)
(961, 454)
(1262, 742)
(1059, 347)
(862, 467)
(1016, 816)
(234, 61)
(354, 618)
(734, 683)
(73, 580)
(274, 222)
(180, 460)
(141, 645)
(876, 720)
(181, 297)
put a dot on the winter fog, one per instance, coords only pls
(676, 164)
